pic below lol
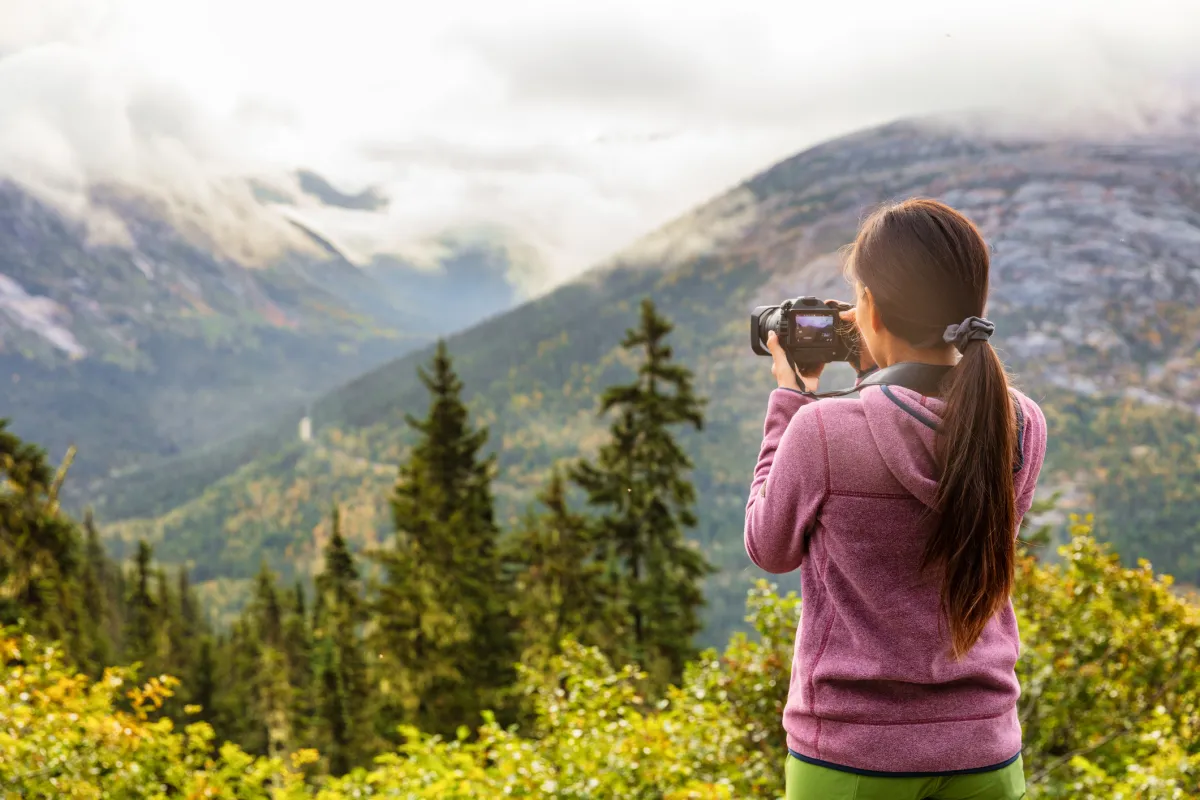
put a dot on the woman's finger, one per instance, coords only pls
(780, 368)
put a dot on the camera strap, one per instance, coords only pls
(924, 379)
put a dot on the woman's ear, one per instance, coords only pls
(873, 317)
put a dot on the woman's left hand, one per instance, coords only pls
(865, 360)
(785, 376)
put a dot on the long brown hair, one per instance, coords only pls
(926, 266)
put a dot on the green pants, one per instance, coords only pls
(811, 782)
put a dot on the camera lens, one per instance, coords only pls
(768, 321)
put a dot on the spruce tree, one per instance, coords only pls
(272, 688)
(638, 481)
(419, 630)
(192, 624)
(244, 675)
(169, 627)
(343, 683)
(237, 705)
(118, 599)
(141, 620)
(204, 679)
(442, 623)
(170, 646)
(96, 588)
(266, 609)
(39, 546)
(191, 620)
(560, 588)
(298, 651)
(186, 632)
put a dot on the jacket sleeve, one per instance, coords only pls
(789, 485)
(1033, 450)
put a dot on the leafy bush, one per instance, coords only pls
(64, 736)
(1111, 703)
(596, 737)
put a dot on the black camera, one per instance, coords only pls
(811, 331)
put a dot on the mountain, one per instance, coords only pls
(304, 185)
(1096, 294)
(438, 283)
(477, 273)
(160, 337)
(313, 184)
(454, 280)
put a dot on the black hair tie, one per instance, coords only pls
(971, 329)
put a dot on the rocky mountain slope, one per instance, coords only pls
(1096, 293)
(140, 346)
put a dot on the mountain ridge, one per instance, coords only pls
(141, 345)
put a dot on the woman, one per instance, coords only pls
(901, 509)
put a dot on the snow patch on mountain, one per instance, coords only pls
(40, 315)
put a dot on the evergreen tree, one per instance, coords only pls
(118, 599)
(141, 620)
(204, 679)
(168, 633)
(560, 588)
(185, 632)
(638, 480)
(273, 691)
(171, 657)
(39, 546)
(96, 588)
(298, 651)
(442, 624)
(419, 630)
(191, 621)
(343, 681)
(266, 610)
(237, 704)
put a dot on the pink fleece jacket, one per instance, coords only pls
(873, 687)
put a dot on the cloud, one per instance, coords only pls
(596, 61)
(757, 65)
(465, 156)
(577, 129)
(72, 119)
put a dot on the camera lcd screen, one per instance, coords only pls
(813, 328)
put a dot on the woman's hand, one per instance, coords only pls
(785, 376)
(865, 360)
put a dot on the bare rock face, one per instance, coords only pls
(1096, 246)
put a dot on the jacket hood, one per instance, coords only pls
(903, 425)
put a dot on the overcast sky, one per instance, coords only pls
(580, 126)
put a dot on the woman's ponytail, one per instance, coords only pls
(975, 538)
(926, 265)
